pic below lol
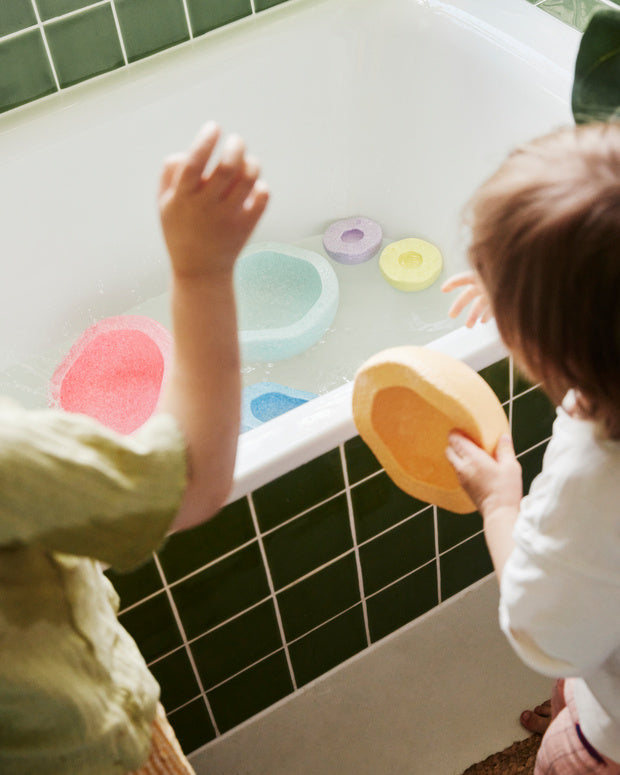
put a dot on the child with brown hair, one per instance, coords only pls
(76, 697)
(545, 258)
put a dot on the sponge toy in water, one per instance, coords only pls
(406, 400)
(114, 372)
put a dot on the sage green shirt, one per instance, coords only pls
(76, 696)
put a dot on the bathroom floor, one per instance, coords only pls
(436, 696)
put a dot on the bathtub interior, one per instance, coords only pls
(387, 110)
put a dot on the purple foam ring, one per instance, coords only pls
(352, 240)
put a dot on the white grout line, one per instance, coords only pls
(45, 43)
(438, 567)
(187, 19)
(119, 32)
(272, 591)
(188, 650)
(358, 562)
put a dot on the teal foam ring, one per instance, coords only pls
(266, 400)
(287, 297)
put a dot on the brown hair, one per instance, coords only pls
(546, 244)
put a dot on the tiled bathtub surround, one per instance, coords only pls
(48, 45)
(302, 574)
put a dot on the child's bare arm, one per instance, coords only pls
(473, 294)
(207, 218)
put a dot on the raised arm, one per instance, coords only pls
(207, 216)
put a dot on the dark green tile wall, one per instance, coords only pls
(307, 571)
(48, 45)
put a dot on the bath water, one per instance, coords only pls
(371, 316)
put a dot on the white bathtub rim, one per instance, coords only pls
(308, 431)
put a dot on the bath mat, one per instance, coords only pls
(517, 759)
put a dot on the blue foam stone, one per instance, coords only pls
(266, 400)
(287, 297)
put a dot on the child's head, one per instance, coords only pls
(546, 245)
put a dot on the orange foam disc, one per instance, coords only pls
(114, 372)
(406, 400)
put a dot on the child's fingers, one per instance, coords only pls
(476, 311)
(242, 185)
(256, 202)
(465, 298)
(190, 173)
(169, 171)
(458, 280)
(228, 169)
(505, 449)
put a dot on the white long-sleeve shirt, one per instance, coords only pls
(560, 590)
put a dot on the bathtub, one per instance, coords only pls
(391, 109)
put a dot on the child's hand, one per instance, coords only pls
(474, 292)
(208, 216)
(492, 482)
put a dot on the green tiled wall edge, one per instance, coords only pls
(49, 45)
(300, 575)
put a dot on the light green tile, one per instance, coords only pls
(16, 15)
(148, 26)
(25, 72)
(84, 45)
(49, 9)
(262, 5)
(207, 15)
(573, 12)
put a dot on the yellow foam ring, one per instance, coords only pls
(411, 264)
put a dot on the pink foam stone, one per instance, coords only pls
(114, 372)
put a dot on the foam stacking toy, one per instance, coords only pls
(352, 240)
(287, 298)
(411, 264)
(266, 400)
(114, 372)
(406, 400)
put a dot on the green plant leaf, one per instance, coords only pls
(596, 88)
